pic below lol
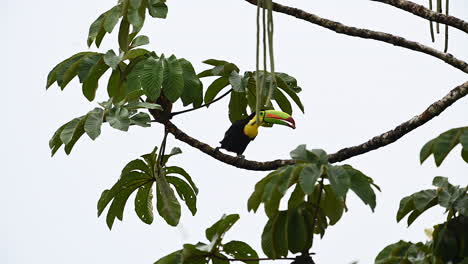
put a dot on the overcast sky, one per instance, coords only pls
(353, 89)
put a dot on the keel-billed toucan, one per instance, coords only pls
(239, 135)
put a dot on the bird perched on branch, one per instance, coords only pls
(239, 135)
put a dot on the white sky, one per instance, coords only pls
(353, 89)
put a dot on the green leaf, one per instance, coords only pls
(90, 85)
(123, 34)
(297, 233)
(422, 198)
(444, 143)
(141, 119)
(332, 205)
(55, 142)
(308, 177)
(112, 17)
(218, 229)
(144, 203)
(339, 179)
(119, 118)
(193, 87)
(143, 105)
(112, 60)
(426, 151)
(237, 106)
(289, 91)
(135, 53)
(241, 250)
(274, 236)
(140, 41)
(77, 133)
(173, 81)
(173, 258)
(87, 64)
(137, 165)
(167, 204)
(185, 192)
(256, 197)
(296, 198)
(282, 101)
(406, 206)
(157, 9)
(215, 62)
(69, 130)
(95, 28)
(178, 170)
(275, 189)
(59, 71)
(464, 154)
(215, 88)
(236, 82)
(119, 194)
(151, 77)
(416, 213)
(440, 181)
(93, 122)
(113, 86)
(360, 184)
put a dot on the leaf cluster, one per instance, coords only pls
(244, 87)
(215, 251)
(453, 198)
(318, 198)
(119, 116)
(143, 174)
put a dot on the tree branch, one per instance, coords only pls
(379, 141)
(368, 34)
(428, 14)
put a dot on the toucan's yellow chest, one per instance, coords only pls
(251, 129)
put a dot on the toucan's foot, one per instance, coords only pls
(240, 156)
(216, 149)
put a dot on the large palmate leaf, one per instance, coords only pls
(141, 175)
(174, 78)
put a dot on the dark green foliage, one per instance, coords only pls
(215, 251)
(407, 253)
(451, 240)
(142, 174)
(444, 143)
(292, 229)
(453, 198)
(243, 93)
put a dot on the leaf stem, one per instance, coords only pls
(203, 105)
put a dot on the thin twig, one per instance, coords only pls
(369, 34)
(203, 105)
(376, 142)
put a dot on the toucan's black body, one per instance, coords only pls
(234, 139)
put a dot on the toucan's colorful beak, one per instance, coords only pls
(280, 118)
